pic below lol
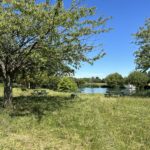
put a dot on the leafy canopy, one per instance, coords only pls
(51, 35)
(143, 41)
(138, 79)
(114, 80)
(67, 84)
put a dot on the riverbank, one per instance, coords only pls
(87, 122)
(94, 85)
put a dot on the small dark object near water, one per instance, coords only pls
(74, 95)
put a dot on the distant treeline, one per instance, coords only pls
(89, 82)
(136, 78)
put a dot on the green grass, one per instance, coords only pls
(17, 92)
(89, 122)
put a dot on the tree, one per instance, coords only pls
(67, 84)
(148, 74)
(143, 53)
(79, 81)
(53, 82)
(95, 80)
(114, 80)
(39, 74)
(49, 34)
(138, 79)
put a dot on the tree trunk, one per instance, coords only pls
(7, 91)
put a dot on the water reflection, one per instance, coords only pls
(119, 91)
(88, 90)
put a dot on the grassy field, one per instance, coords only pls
(89, 122)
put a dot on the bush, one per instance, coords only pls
(114, 80)
(138, 79)
(67, 84)
(53, 83)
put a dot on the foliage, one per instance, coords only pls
(114, 80)
(143, 41)
(53, 82)
(84, 81)
(67, 84)
(47, 35)
(95, 80)
(33, 78)
(80, 82)
(138, 79)
(94, 85)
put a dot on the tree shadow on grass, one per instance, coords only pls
(38, 106)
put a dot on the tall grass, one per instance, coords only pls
(89, 122)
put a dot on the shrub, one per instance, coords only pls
(114, 80)
(53, 82)
(67, 84)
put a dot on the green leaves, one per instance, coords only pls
(143, 53)
(138, 79)
(55, 34)
(114, 80)
(67, 85)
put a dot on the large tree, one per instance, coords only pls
(114, 80)
(143, 53)
(45, 33)
(138, 79)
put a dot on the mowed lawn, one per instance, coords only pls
(89, 122)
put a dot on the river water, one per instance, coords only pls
(88, 90)
(91, 90)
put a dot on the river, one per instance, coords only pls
(92, 90)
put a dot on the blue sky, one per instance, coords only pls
(127, 17)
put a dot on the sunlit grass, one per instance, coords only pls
(89, 122)
(28, 92)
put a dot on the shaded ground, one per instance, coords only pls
(90, 122)
(38, 106)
